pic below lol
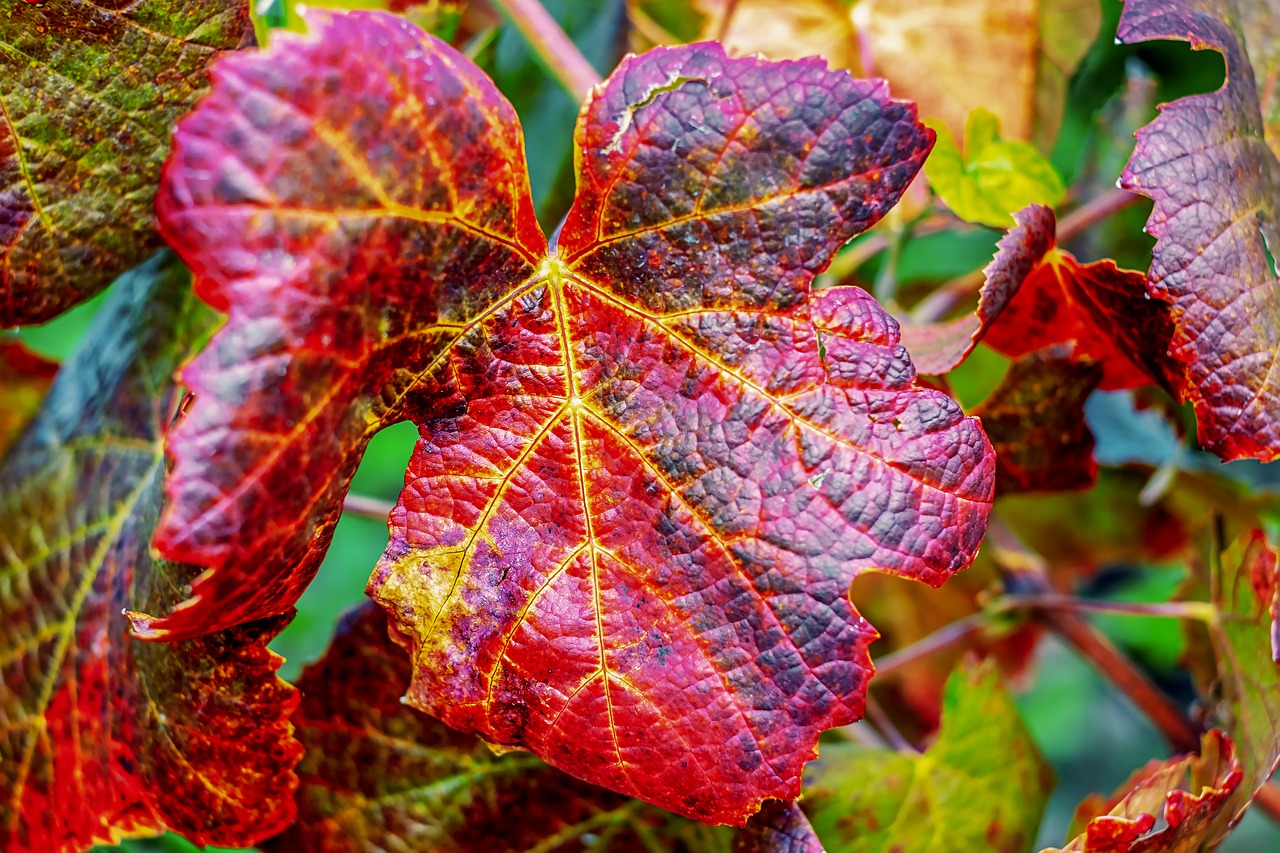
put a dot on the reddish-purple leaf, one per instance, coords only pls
(1174, 806)
(779, 827)
(940, 347)
(1209, 163)
(651, 461)
(1035, 421)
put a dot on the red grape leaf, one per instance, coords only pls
(1178, 805)
(1035, 420)
(101, 736)
(88, 93)
(650, 460)
(24, 379)
(379, 775)
(1209, 163)
(779, 827)
(1036, 295)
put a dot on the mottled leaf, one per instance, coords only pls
(650, 460)
(379, 775)
(1035, 420)
(1234, 658)
(88, 93)
(779, 827)
(1172, 806)
(982, 785)
(24, 379)
(993, 178)
(1209, 163)
(1013, 57)
(102, 736)
(1036, 295)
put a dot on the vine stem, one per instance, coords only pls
(955, 635)
(556, 50)
(1199, 611)
(1182, 733)
(951, 295)
(367, 507)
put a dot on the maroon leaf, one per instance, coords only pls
(1035, 421)
(1209, 163)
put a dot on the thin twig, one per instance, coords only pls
(1031, 573)
(959, 634)
(877, 716)
(1199, 611)
(556, 50)
(367, 507)
(1094, 211)
(723, 30)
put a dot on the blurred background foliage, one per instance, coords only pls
(1091, 734)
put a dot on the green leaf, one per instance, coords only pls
(981, 786)
(88, 93)
(993, 177)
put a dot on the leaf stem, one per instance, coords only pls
(888, 730)
(1094, 211)
(1027, 570)
(1200, 611)
(959, 634)
(556, 50)
(723, 30)
(367, 507)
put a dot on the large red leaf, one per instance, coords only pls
(650, 460)
(1209, 163)
(101, 736)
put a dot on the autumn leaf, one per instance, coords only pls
(24, 379)
(1035, 420)
(1209, 163)
(779, 827)
(88, 92)
(1013, 57)
(1233, 656)
(379, 775)
(1036, 294)
(982, 785)
(994, 177)
(1172, 806)
(651, 461)
(103, 736)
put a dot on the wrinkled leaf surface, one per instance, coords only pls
(651, 461)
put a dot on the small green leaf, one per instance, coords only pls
(982, 785)
(993, 177)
